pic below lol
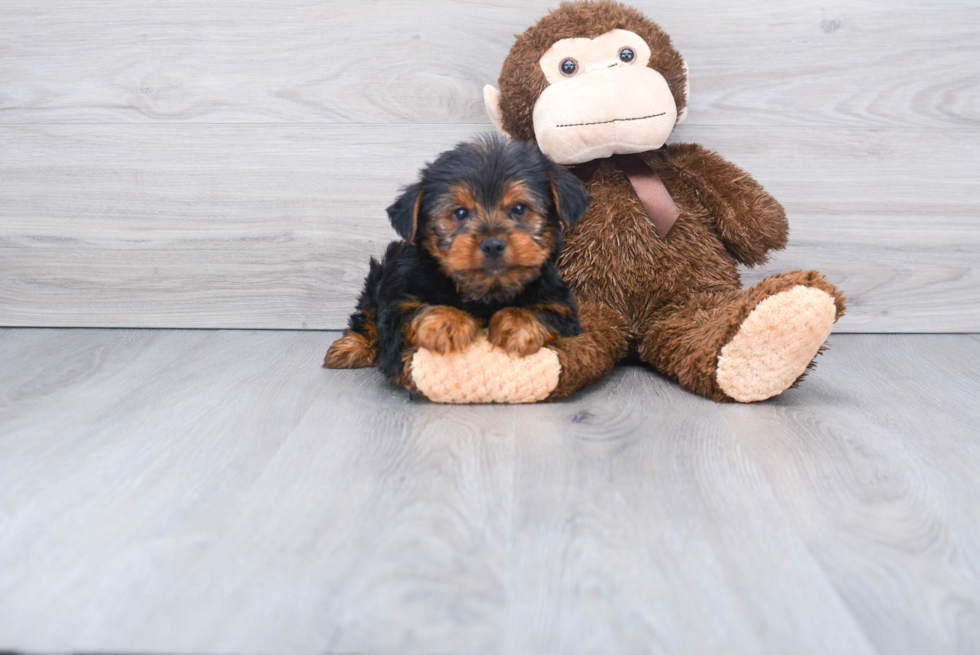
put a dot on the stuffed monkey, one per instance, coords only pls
(653, 263)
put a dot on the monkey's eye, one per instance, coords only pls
(519, 210)
(460, 213)
(626, 55)
(568, 67)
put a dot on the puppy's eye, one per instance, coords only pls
(626, 55)
(568, 67)
(460, 213)
(519, 210)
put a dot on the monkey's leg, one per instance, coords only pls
(744, 345)
(485, 374)
(588, 357)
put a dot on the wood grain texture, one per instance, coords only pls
(759, 63)
(896, 502)
(216, 492)
(224, 165)
(233, 226)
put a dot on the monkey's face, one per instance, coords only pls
(591, 80)
(490, 244)
(602, 99)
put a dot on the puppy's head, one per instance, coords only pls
(491, 213)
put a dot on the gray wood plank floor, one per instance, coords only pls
(217, 492)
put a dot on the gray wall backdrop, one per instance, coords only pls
(227, 164)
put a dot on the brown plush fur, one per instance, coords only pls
(684, 340)
(681, 296)
(675, 301)
(588, 357)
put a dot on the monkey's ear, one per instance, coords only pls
(571, 198)
(491, 98)
(682, 114)
(404, 212)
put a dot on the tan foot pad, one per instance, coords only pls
(485, 374)
(775, 343)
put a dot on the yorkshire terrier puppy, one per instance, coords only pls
(481, 231)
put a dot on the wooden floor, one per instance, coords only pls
(217, 492)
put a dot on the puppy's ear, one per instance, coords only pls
(404, 212)
(571, 198)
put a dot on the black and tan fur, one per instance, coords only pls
(481, 232)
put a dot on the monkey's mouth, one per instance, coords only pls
(614, 120)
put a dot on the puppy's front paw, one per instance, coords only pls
(518, 331)
(443, 329)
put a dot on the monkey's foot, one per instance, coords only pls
(775, 343)
(484, 374)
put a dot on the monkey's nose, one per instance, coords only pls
(493, 247)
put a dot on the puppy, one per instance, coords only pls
(481, 231)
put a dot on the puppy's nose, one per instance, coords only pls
(493, 247)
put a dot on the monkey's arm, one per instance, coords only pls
(749, 220)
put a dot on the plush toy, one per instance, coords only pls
(653, 263)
